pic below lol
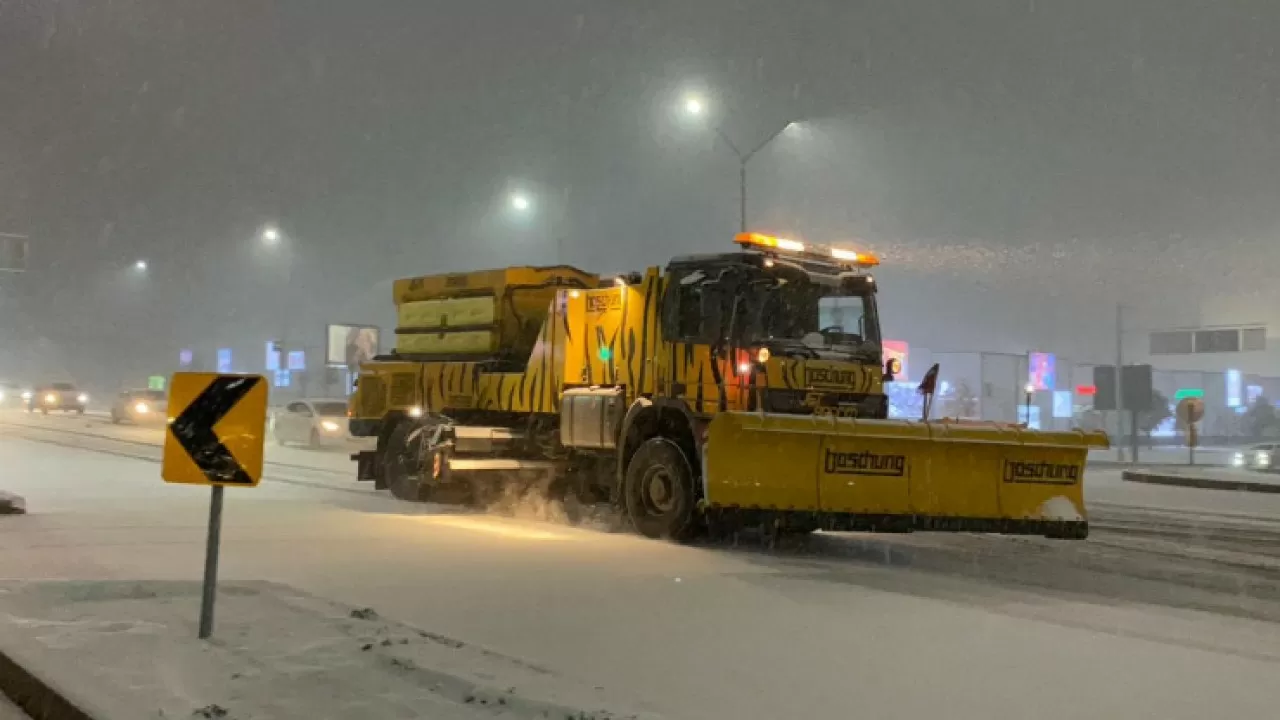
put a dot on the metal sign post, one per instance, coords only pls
(1192, 437)
(208, 594)
(1190, 410)
(217, 424)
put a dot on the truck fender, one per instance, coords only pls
(682, 435)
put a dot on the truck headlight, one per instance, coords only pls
(1262, 458)
(1237, 460)
(26, 394)
(50, 399)
(329, 426)
(82, 398)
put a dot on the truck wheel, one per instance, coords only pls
(401, 467)
(659, 491)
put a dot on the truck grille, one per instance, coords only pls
(402, 389)
(373, 397)
(792, 402)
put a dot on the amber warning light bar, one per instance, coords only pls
(785, 245)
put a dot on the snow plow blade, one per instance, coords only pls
(895, 475)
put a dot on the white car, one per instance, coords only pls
(1259, 457)
(63, 397)
(140, 407)
(316, 423)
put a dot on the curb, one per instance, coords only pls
(37, 698)
(1203, 483)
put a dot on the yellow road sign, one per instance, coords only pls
(217, 425)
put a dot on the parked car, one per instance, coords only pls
(140, 407)
(63, 397)
(1263, 457)
(313, 422)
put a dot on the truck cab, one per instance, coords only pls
(795, 329)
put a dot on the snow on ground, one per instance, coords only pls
(275, 653)
(1104, 489)
(1166, 455)
(1004, 628)
(9, 711)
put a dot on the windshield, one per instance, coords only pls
(331, 408)
(815, 314)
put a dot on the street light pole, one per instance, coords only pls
(743, 159)
(274, 239)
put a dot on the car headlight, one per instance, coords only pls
(82, 398)
(329, 426)
(415, 411)
(26, 395)
(51, 398)
(1, 396)
(141, 408)
(1237, 460)
(1262, 458)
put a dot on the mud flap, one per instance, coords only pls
(368, 468)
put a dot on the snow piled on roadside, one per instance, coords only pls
(11, 504)
(1060, 508)
(130, 650)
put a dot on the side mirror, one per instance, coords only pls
(892, 367)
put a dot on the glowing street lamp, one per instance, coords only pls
(696, 107)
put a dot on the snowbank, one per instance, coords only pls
(129, 650)
(11, 504)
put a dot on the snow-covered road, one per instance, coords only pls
(1168, 611)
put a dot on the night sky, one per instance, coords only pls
(1021, 166)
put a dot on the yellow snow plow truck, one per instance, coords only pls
(737, 389)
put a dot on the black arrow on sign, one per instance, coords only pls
(194, 429)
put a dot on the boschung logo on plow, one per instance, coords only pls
(864, 463)
(1043, 473)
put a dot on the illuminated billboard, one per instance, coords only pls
(1042, 373)
(350, 345)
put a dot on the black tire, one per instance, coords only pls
(115, 419)
(314, 440)
(659, 491)
(400, 465)
(79, 411)
(44, 411)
